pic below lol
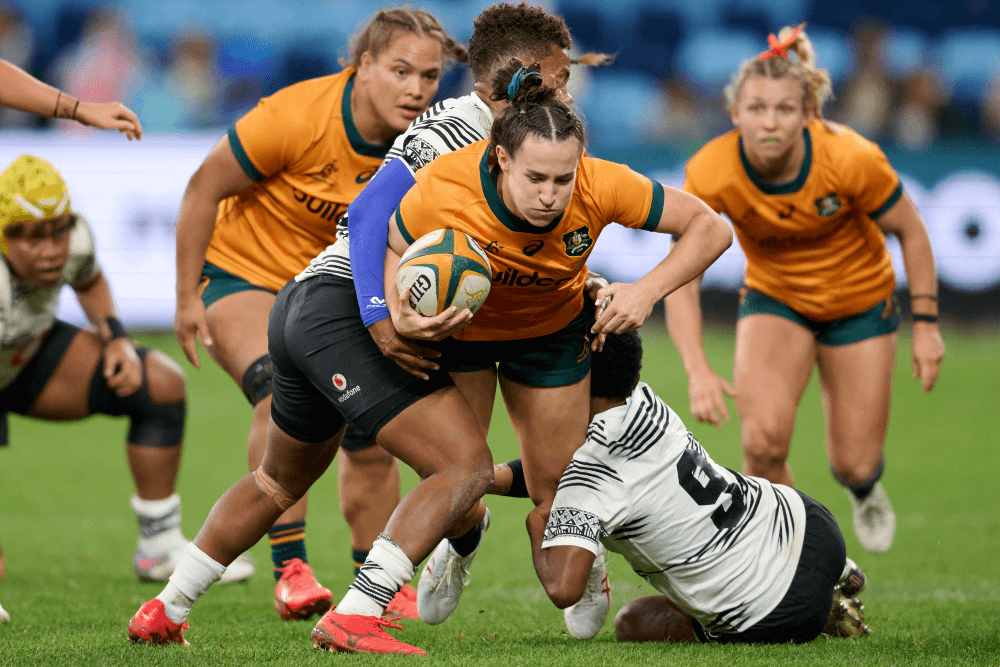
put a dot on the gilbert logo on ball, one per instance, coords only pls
(442, 269)
(339, 382)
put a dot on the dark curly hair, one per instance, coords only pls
(614, 371)
(534, 110)
(504, 30)
(380, 31)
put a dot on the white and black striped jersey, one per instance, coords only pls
(27, 313)
(721, 546)
(445, 127)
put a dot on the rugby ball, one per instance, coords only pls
(442, 269)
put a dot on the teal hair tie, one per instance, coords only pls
(516, 81)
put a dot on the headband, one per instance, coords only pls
(779, 49)
(516, 81)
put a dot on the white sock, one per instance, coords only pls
(195, 572)
(159, 524)
(384, 573)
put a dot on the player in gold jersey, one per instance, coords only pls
(811, 202)
(538, 205)
(267, 200)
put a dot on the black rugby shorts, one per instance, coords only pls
(325, 368)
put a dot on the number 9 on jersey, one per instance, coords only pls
(442, 269)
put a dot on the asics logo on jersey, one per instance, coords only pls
(327, 210)
(364, 176)
(493, 248)
(532, 248)
(513, 278)
(786, 216)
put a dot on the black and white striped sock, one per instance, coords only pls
(384, 573)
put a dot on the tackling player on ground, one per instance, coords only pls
(267, 200)
(811, 202)
(51, 370)
(737, 559)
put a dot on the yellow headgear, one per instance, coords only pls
(30, 189)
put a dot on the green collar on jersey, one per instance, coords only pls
(780, 188)
(500, 210)
(358, 143)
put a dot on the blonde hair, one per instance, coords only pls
(382, 29)
(777, 63)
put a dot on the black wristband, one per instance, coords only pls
(75, 107)
(116, 328)
(919, 317)
(518, 487)
(55, 114)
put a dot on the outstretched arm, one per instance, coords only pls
(903, 220)
(563, 570)
(19, 90)
(218, 177)
(705, 387)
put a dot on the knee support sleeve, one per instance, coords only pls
(256, 381)
(153, 424)
(283, 499)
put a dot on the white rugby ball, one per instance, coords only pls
(442, 269)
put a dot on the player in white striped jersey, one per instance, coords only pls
(736, 558)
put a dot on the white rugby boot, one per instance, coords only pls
(4, 616)
(586, 618)
(161, 542)
(443, 579)
(874, 520)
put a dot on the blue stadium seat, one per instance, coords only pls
(904, 51)
(707, 59)
(834, 51)
(618, 105)
(649, 44)
(969, 59)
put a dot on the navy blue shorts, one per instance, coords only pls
(802, 612)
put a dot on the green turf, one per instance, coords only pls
(68, 535)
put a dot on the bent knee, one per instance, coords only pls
(766, 444)
(165, 378)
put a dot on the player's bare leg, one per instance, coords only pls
(856, 381)
(772, 364)
(551, 424)
(653, 618)
(238, 324)
(440, 438)
(153, 464)
(237, 521)
(447, 570)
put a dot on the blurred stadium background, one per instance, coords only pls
(921, 77)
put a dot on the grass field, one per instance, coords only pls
(68, 535)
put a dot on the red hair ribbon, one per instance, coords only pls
(779, 49)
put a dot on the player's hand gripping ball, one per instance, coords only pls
(442, 269)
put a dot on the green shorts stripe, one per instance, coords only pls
(880, 319)
(555, 360)
(217, 283)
